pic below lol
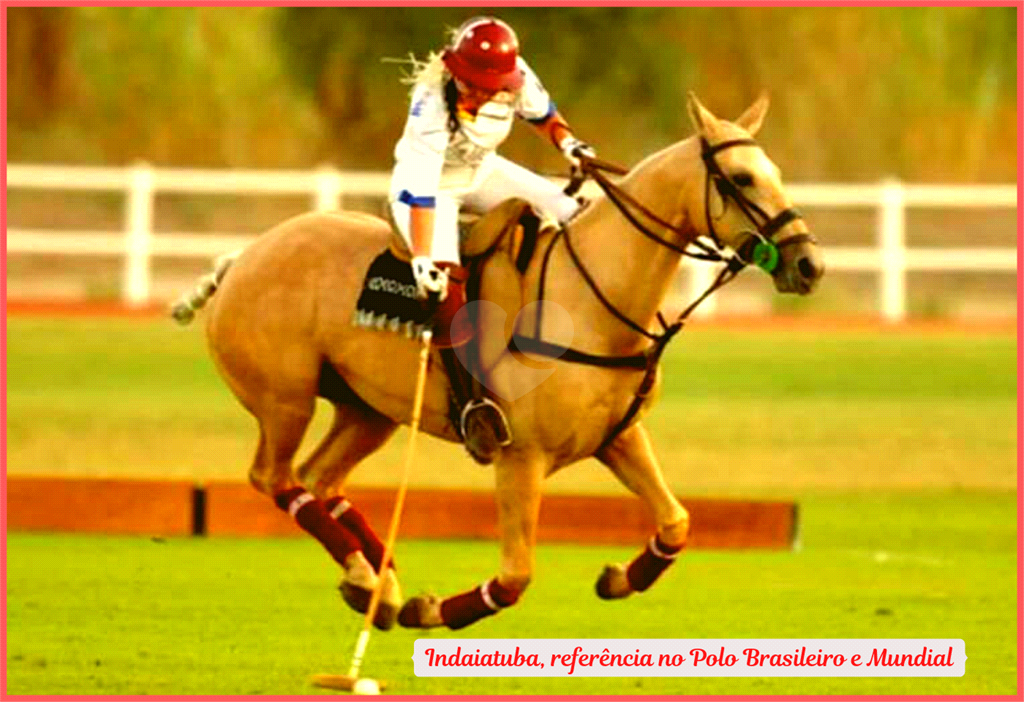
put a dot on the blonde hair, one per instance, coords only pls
(430, 71)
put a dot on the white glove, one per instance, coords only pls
(429, 278)
(572, 148)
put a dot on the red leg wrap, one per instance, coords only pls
(353, 520)
(646, 567)
(462, 610)
(313, 517)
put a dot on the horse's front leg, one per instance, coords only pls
(631, 458)
(518, 490)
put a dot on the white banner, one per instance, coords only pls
(649, 658)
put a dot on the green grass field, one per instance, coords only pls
(900, 448)
(741, 413)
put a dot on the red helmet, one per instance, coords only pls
(483, 55)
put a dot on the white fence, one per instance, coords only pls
(138, 244)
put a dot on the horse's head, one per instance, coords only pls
(744, 204)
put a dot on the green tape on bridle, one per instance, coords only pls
(765, 256)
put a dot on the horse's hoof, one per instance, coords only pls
(385, 617)
(421, 612)
(182, 313)
(357, 590)
(359, 599)
(613, 583)
(359, 582)
(355, 597)
(390, 603)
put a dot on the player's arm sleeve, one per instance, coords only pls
(420, 155)
(536, 107)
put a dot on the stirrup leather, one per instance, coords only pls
(502, 429)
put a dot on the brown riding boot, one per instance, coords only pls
(446, 334)
(478, 419)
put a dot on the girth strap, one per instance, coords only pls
(646, 385)
(527, 344)
(646, 361)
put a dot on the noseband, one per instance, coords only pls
(759, 248)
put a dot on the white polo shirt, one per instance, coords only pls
(429, 159)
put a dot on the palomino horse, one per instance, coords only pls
(279, 330)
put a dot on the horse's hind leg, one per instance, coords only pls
(631, 458)
(357, 431)
(282, 426)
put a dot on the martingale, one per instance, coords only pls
(388, 300)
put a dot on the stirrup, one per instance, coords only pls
(502, 431)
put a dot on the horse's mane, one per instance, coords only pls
(652, 159)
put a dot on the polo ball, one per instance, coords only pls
(366, 686)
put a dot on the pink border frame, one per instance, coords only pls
(1019, 4)
(3, 357)
(520, 3)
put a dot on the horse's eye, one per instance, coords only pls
(743, 180)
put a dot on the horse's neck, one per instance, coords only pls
(632, 271)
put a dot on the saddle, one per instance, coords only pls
(513, 226)
(388, 303)
(388, 298)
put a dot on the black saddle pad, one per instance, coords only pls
(388, 300)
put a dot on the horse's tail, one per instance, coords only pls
(185, 307)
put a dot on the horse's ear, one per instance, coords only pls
(751, 119)
(703, 121)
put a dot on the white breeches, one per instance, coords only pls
(496, 180)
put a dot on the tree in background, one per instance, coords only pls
(858, 93)
(37, 45)
(593, 60)
(338, 55)
(175, 86)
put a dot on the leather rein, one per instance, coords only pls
(758, 249)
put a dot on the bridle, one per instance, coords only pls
(760, 248)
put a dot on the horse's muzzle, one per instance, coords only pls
(802, 267)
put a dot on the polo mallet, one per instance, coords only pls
(352, 682)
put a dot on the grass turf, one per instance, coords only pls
(119, 615)
(900, 448)
(741, 413)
